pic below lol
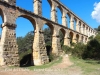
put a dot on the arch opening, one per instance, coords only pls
(86, 31)
(25, 37)
(77, 38)
(83, 29)
(1, 22)
(82, 39)
(48, 31)
(75, 20)
(85, 40)
(79, 26)
(59, 15)
(50, 3)
(0, 28)
(46, 7)
(68, 20)
(71, 38)
(61, 36)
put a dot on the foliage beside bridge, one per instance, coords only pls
(91, 50)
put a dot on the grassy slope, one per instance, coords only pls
(46, 65)
(89, 67)
(55, 62)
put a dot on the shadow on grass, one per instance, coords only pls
(45, 65)
(93, 62)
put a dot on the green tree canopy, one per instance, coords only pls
(25, 43)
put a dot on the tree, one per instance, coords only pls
(20, 43)
(25, 43)
(48, 36)
(92, 50)
(78, 50)
(61, 36)
(98, 28)
(97, 37)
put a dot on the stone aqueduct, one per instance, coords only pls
(8, 45)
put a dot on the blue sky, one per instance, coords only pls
(82, 8)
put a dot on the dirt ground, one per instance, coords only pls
(59, 69)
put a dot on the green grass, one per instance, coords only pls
(55, 62)
(46, 65)
(89, 67)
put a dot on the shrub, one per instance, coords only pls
(66, 49)
(92, 50)
(78, 50)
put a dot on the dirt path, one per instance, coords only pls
(59, 69)
(64, 64)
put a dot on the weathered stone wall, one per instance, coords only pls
(8, 45)
(56, 46)
(73, 18)
(39, 50)
(37, 7)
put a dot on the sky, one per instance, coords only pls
(87, 10)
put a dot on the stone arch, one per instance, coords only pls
(86, 30)
(75, 20)
(48, 38)
(49, 1)
(71, 34)
(3, 19)
(83, 28)
(79, 26)
(82, 39)
(23, 61)
(31, 19)
(68, 19)
(63, 31)
(68, 13)
(86, 40)
(59, 14)
(61, 10)
(2, 15)
(89, 32)
(62, 36)
(77, 38)
(50, 26)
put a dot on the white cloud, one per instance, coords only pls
(96, 13)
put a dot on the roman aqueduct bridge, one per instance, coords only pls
(8, 45)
